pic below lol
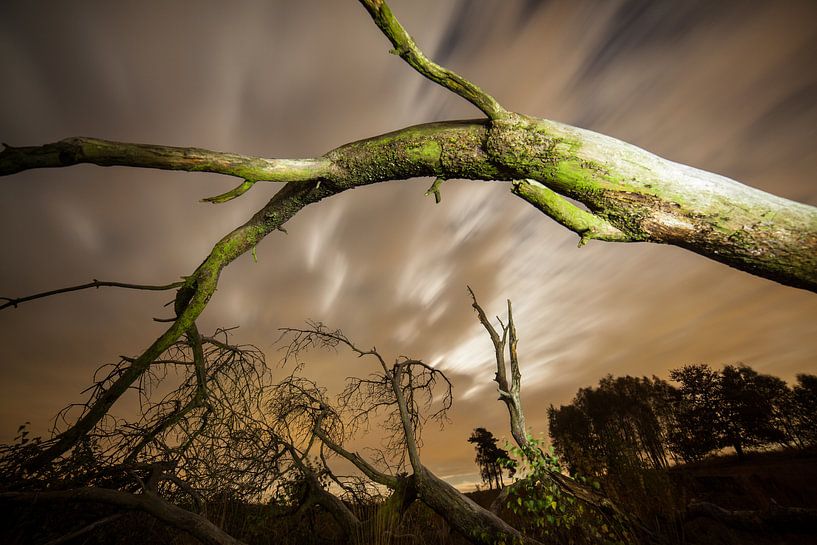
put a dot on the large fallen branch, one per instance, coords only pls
(148, 502)
(631, 195)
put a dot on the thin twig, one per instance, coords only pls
(14, 302)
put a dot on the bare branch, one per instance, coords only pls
(516, 375)
(501, 377)
(408, 417)
(318, 336)
(510, 394)
(368, 469)
(14, 302)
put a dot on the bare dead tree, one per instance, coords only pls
(510, 393)
(224, 428)
(405, 392)
(199, 432)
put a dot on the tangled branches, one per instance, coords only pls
(425, 391)
(200, 412)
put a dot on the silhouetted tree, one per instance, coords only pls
(736, 407)
(620, 424)
(571, 434)
(490, 458)
(627, 422)
(803, 410)
(749, 406)
(696, 411)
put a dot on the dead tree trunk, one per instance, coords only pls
(510, 393)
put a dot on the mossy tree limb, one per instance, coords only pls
(630, 194)
(651, 199)
(405, 47)
(79, 149)
(585, 224)
(191, 300)
(15, 301)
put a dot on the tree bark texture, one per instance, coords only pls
(476, 523)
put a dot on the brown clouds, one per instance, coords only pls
(729, 88)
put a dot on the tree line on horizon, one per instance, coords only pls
(628, 423)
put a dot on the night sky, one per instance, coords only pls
(730, 87)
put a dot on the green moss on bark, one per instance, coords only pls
(448, 150)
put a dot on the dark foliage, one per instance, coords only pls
(622, 423)
(491, 459)
(629, 423)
